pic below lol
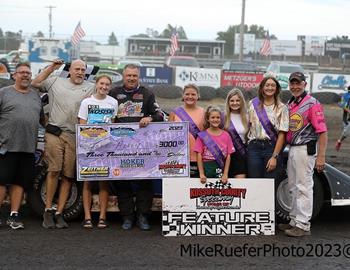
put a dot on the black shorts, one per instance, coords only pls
(194, 172)
(17, 168)
(238, 165)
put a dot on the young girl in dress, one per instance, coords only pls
(236, 124)
(214, 147)
(97, 109)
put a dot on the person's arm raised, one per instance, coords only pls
(46, 73)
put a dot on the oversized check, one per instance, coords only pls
(126, 151)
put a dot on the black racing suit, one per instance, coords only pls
(132, 106)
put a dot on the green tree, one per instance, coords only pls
(341, 39)
(39, 34)
(112, 39)
(169, 30)
(10, 41)
(152, 33)
(141, 35)
(229, 35)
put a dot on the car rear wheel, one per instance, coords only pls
(37, 197)
(283, 198)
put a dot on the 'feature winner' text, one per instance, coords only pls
(219, 223)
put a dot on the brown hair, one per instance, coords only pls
(99, 77)
(276, 96)
(207, 113)
(21, 64)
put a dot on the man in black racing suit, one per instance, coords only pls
(135, 104)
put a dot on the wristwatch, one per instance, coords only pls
(275, 155)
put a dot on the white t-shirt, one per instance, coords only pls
(237, 122)
(98, 111)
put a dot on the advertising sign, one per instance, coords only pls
(198, 76)
(315, 45)
(156, 75)
(126, 151)
(248, 43)
(243, 80)
(282, 47)
(240, 207)
(337, 83)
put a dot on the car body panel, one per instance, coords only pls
(181, 61)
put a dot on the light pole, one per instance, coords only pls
(50, 20)
(241, 33)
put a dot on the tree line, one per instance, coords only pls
(11, 40)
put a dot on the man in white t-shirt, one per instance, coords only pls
(65, 96)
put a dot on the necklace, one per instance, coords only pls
(269, 103)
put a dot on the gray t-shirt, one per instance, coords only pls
(64, 101)
(19, 120)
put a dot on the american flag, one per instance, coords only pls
(78, 34)
(174, 42)
(266, 46)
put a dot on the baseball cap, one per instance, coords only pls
(297, 76)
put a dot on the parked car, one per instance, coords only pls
(239, 66)
(122, 63)
(282, 71)
(182, 61)
(284, 67)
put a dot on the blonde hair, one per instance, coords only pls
(207, 113)
(242, 109)
(190, 86)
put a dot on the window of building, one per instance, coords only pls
(189, 49)
(204, 50)
(43, 50)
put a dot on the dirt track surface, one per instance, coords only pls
(112, 248)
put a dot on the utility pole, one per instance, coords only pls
(241, 33)
(50, 20)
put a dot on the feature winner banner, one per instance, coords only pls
(126, 151)
(240, 207)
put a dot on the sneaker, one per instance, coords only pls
(142, 223)
(284, 227)
(60, 222)
(49, 221)
(127, 224)
(14, 222)
(297, 232)
(337, 145)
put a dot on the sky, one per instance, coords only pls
(201, 19)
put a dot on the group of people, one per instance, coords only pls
(243, 140)
(247, 140)
(72, 100)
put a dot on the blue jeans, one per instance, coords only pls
(259, 153)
